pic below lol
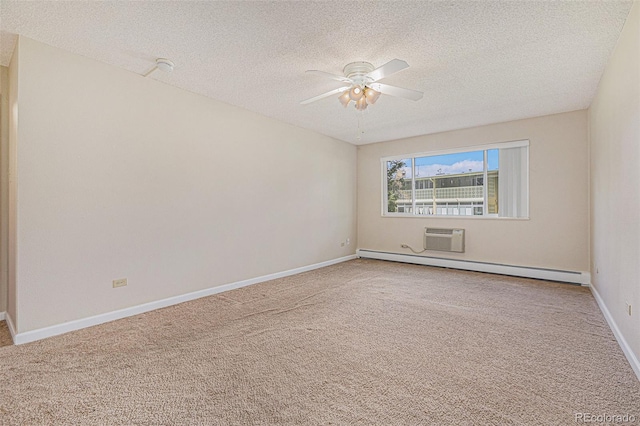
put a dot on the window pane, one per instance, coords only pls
(493, 156)
(398, 185)
(450, 164)
(460, 184)
(449, 179)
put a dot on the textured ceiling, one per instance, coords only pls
(478, 62)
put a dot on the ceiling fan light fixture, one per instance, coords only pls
(345, 98)
(355, 93)
(371, 95)
(361, 104)
(357, 83)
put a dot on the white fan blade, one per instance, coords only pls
(324, 95)
(387, 69)
(331, 76)
(385, 89)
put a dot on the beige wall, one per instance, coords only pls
(12, 290)
(123, 176)
(614, 122)
(555, 236)
(4, 184)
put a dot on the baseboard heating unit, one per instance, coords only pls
(582, 278)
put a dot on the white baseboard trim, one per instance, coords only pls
(583, 278)
(626, 349)
(2, 315)
(54, 330)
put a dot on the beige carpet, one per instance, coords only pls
(363, 342)
(5, 335)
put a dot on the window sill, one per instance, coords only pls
(411, 216)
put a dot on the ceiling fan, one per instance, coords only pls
(361, 84)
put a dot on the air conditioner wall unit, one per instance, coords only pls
(444, 239)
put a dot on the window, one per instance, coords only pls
(490, 181)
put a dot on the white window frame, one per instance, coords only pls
(413, 156)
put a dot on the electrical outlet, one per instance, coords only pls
(629, 308)
(348, 241)
(119, 283)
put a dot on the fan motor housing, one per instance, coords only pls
(357, 72)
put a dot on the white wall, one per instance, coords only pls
(555, 236)
(4, 184)
(123, 176)
(614, 123)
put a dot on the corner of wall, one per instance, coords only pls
(11, 327)
(4, 183)
(8, 171)
(589, 207)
